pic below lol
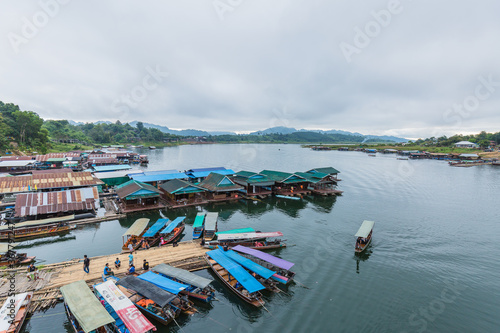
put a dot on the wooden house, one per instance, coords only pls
(180, 193)
(254, 184)
(320, 183)
(220, 188)
(287, 183)
(137, 196)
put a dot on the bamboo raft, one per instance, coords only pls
(187, 255)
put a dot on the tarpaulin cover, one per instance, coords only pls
(124, 308)
(365, 229)
(235, 231)
(238, 272)
(278, 262)
(198, 221)
(155, 228)
(163, 282)
(137, 228)
(83, 304)
(169, 228)
(182, 275)
(5, 311)
(146, 289)
(249, 235)
(249, 264)
(211, 221)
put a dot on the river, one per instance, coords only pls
(433, 265)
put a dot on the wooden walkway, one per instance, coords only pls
(187, 255)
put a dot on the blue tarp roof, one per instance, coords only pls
(249, 264)
(169, 228)
(206, 169)
(238, 272)
(114, 167)
(201, 174)
(159, 177)
(163, 282)
(155, 228)
(160, 172)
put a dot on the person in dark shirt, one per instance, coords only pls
(145, 265)
(86, 264)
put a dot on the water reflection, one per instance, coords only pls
(363, 256)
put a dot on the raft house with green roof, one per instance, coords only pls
(254, 184)
(287, 184)
(137, 196)
(219, 187)
(180, 193)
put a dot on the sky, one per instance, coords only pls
(400, 67)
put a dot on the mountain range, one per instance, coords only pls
(272, 130)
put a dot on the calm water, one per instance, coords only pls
(433, 265)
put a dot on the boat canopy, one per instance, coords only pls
(83, 304)
(365, 229)
(33, 223)
(132, 318)
(146, 289)
(172, 225)
(5, 247)
(182, 275)
(5, 312)
(153, 230)
(198, 221)
(137, 228)
(235, 231)
(162, 282)
(278, 262)
(211, 221)
(249, 235)
(249, 264)
(238, 272)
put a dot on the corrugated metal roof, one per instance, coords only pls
(112, 174)
(133, 186)
(202, 174)
(16, 163)
(176, 185)
(159, 177)
(115, 167)
(16, 158)
(44, 158)
(40, 203)
(102, 160)
(206, 169)
(160, 172)
(38, 181)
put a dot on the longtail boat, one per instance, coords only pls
(36, 228)
(154, 302)
(264, 273)
(280, 266)
(210, 225)
(171, 286)
(198, 287)
(364, 236)
(14, 311)
(10, 257)
(85, 312)
(236, 278)
(235, 231)
(198, 225)
(173, 230)
(257, 240)
(152, 235)
(126, 315)
(134, 234)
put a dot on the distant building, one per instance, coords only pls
(466, 144)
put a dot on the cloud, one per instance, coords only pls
(265, 64)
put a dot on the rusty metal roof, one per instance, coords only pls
(16, 158)
(41, 181)
(44, 158)
(41, 203)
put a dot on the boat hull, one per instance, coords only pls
(23, 235)
(256, 303)
(363, 248)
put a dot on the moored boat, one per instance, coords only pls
(152, 147)
(36, 228)
(198, 287)
(257, 240)
(133, 235)
(10, 257)
(14, 311)
(198, 225)
(236, 278)
(282, 267)
(85, 312)
(154, 302)
(126, 315)
(364, 236)
(264, 273)
(173, 230)
(152, 235)
(210, 225)
(235, 231)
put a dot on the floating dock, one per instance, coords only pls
(187, 255)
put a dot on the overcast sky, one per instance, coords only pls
(375, 67)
